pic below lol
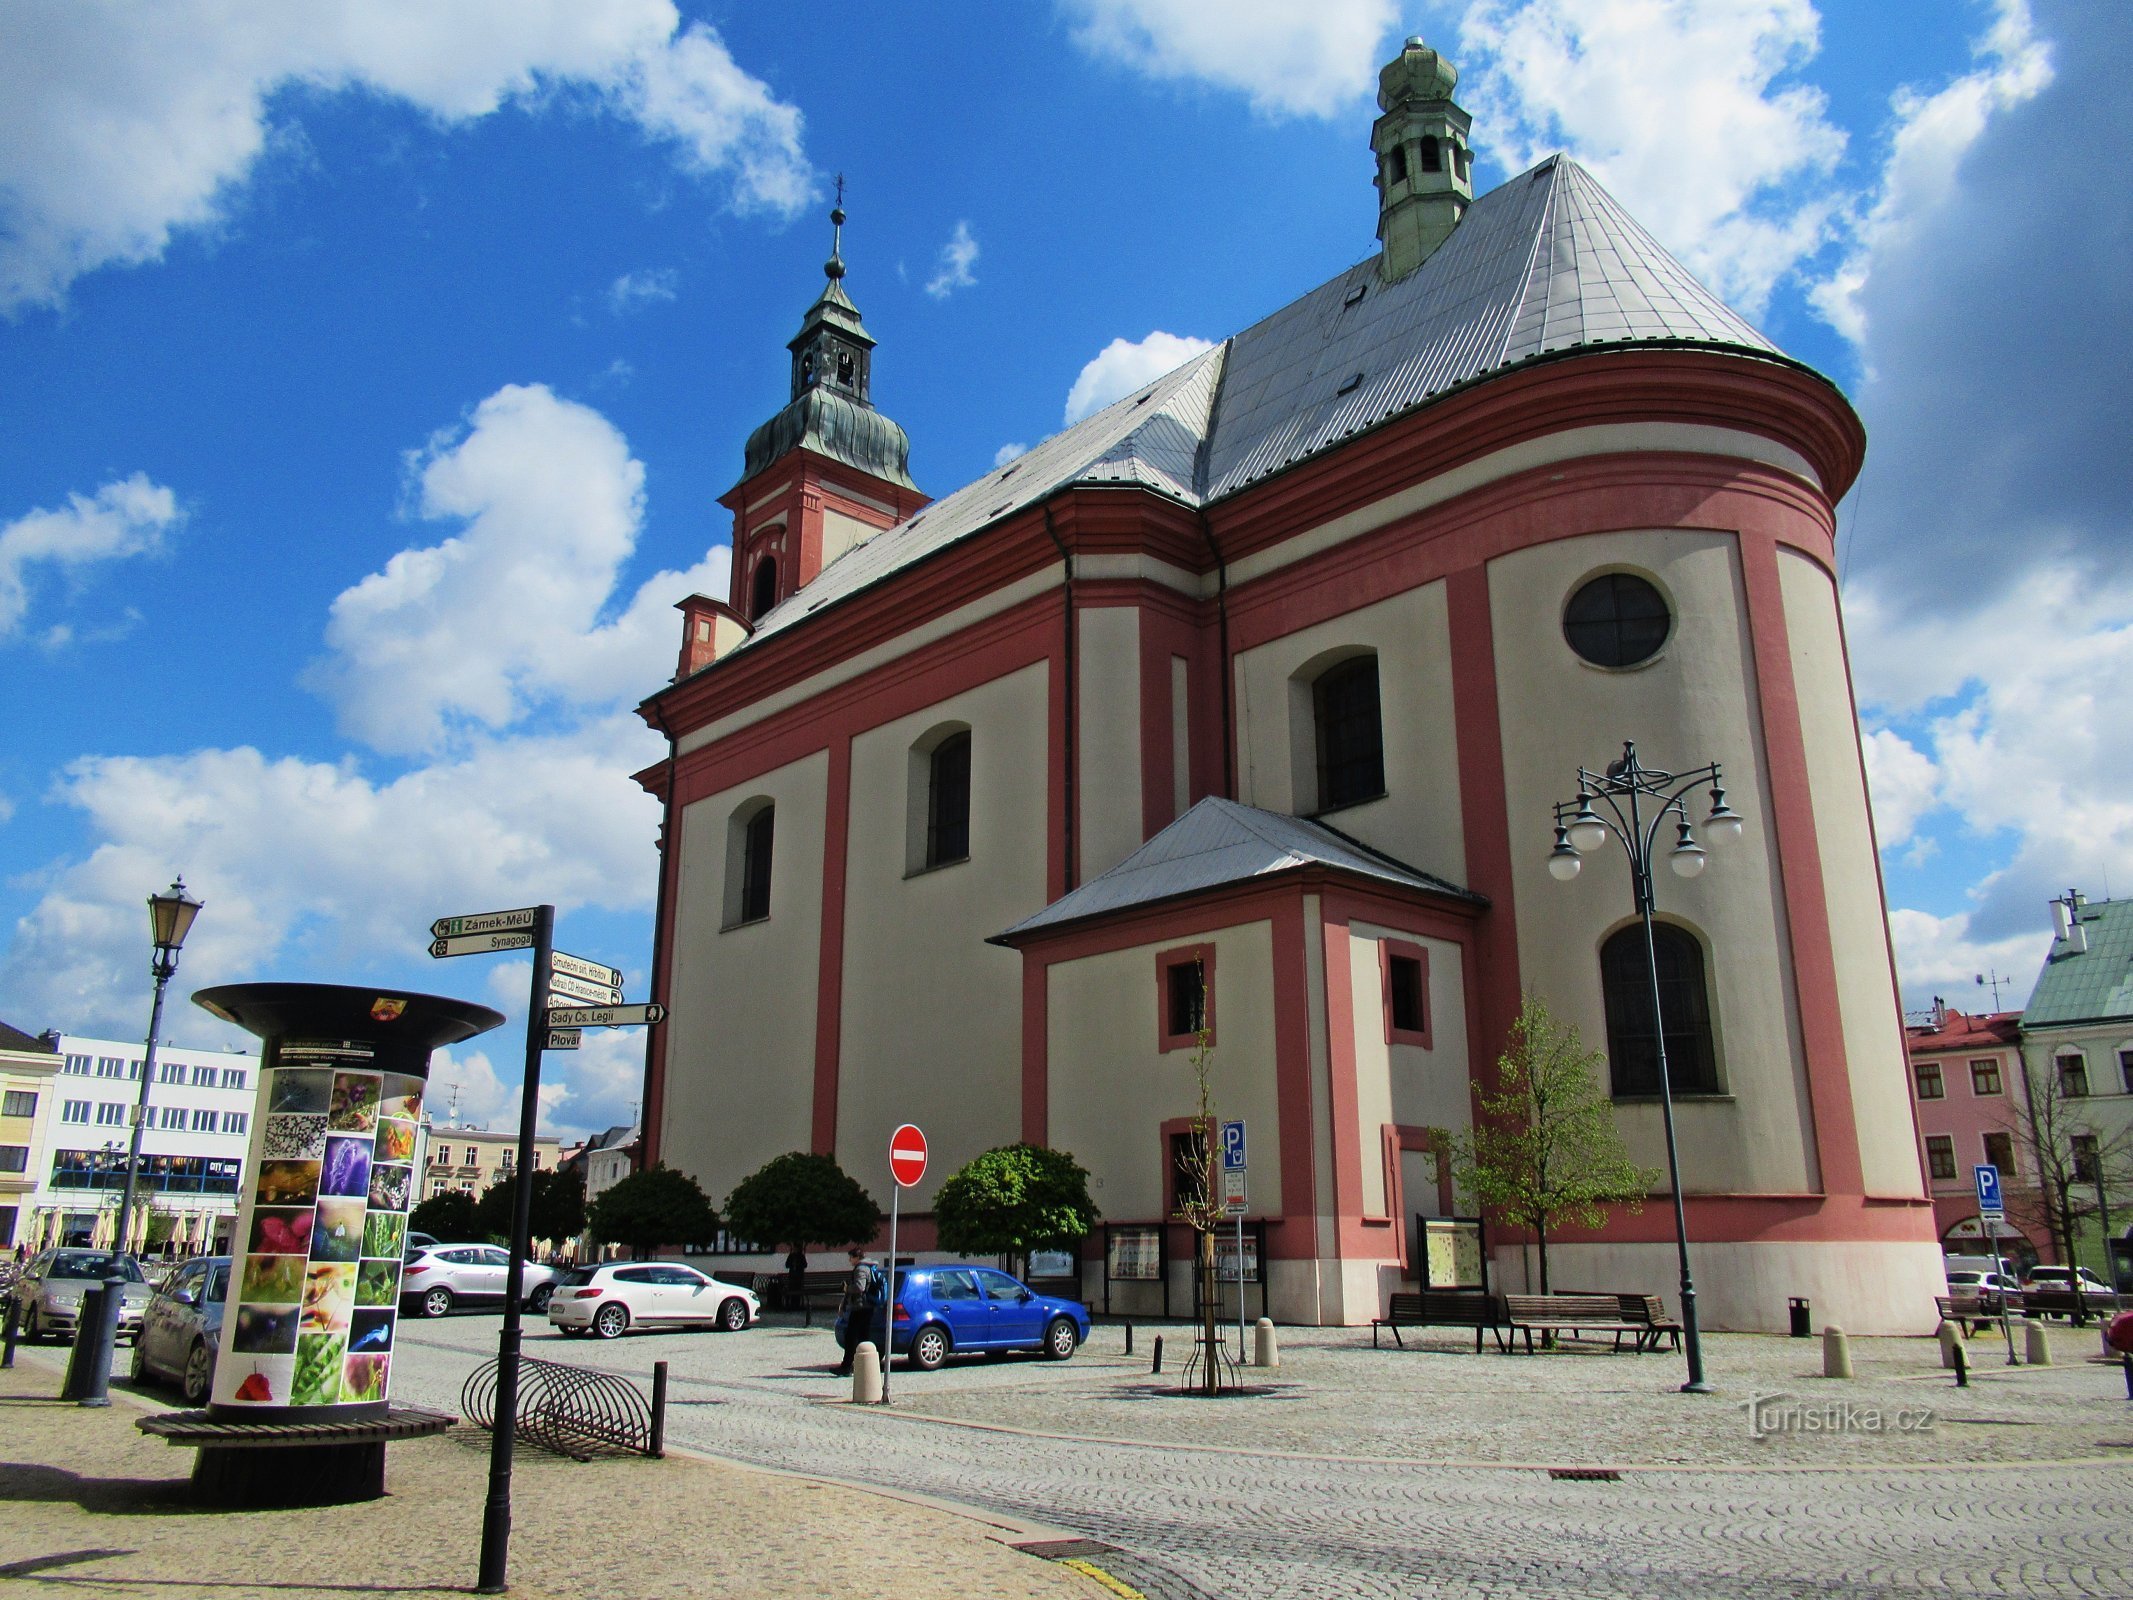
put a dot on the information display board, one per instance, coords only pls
(1451, 1254)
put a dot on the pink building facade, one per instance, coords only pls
(1966, 1075)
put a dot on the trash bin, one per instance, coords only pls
(1801, 1323)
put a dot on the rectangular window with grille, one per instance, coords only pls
(1940, 1155)
(1927, 1075)
(1984, 1077)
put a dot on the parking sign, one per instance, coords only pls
(1233, 1146)
(1988, 1191)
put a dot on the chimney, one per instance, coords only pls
(709, 629)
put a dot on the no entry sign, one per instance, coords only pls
(907, 1155)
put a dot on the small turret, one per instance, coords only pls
(1425, 176)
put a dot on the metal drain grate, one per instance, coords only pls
(1067, 1549)
(1585, 1474)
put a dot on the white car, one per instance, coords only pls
(440, 1276)
(607, 1300)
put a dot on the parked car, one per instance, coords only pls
(608, 1300)
(419, 1241)
(181, 1330)
(944, 1310)
(1989, 1287)
(52, 1285)
(2095, 1293)
(438, 1277)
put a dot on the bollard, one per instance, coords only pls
(2036, 1345)
(659, 1411)
(1266, 1351)
(1951, 1344)
(1129, 1338)
(866, 1375)
(7, 1340)
(1962, 1368)
(1158, 1367)
(89, 1366)
(1836, 1353)
(2128, 1362)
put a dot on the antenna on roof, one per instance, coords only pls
(1995, 980)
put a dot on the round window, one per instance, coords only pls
(1617, 620)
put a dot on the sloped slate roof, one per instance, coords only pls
(13, 1038)
(1218, 843)
(1544, 263)
(2088, 985)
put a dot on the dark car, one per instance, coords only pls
(51, 1288)
(946, 1310)
(181, 1331)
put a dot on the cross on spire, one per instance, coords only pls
(835, 265)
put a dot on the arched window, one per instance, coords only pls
(2073, 1075)
(1431, 161)
(1351, 745)
(751, 836)
(765, 593)
(948, 801)
(1396, 164)
(1684, 1003)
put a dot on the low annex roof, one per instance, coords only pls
(2091, 985)
(1545, 263)
(1214, 845)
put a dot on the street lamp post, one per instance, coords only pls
(170, 918)
(1632, 793)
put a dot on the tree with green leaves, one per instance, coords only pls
(558, 1207)
(802, 1199)
(449, 1215)
(1546, 1153)
(655, 1207)
(1010, 1201)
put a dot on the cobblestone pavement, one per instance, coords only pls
(1371, 1474)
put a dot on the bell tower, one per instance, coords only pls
(1425, 176)
(828, 472)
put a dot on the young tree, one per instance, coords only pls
(802, 1199)
(1013, 1200)
(448, 1214)
(1545, 1153)
(558, 1207)
(655, 1207)
(2065, 1149)
(1199, 1202)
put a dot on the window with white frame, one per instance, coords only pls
(173, 1116)
(111, 1116)
(235, 1121)
(111, 1066)
(233, 1077)
(74, 1111)
(171, 1072)
(204, 1121)
(18, 1103)
(2073, 1068)
(76, 1066)
(203, 1077)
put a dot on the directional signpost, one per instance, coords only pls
(907, 1164)
(555, 1010)
(1233, 1191)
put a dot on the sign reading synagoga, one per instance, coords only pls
(1233, 716)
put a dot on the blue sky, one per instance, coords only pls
(367, 382)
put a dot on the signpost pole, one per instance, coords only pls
(888, 1291)
(1991, 1207)
(496, 1514)
(1241, 1356)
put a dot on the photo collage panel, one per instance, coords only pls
(318, 1286)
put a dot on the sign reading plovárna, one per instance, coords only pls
(314, 1285)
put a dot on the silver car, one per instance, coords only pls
(441, 1276)
(181, 1331)
(51, 1287)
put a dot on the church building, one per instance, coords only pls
(1242, 707)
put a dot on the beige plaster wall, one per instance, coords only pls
(740, 1044)
(1419, 819)
(1111, 1088)
(1404, 1083)
(931, 1024)
(841, 533)
(1851, 878)
(1109, 714)
(1693, 703)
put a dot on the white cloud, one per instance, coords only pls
(634, 290)
(1932, 135)
(120, 127)
(1007, 453)
(1941, 956)
(127, 517)
(1905, 786)
(512, 611)
(957, 255)
(1124, 365)
(1290, 59)
(1679, 109)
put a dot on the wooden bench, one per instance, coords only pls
(2050, 1303)
(1440, 1308)
(825, 1289)
(1650, 1310)
(1972, 1312)
(1574, 1314)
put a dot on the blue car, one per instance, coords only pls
(945, 1310)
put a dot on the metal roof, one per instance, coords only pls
(1545, 263)
(2087, 985)
(1218, 843)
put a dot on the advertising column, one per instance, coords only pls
(314, 1291)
